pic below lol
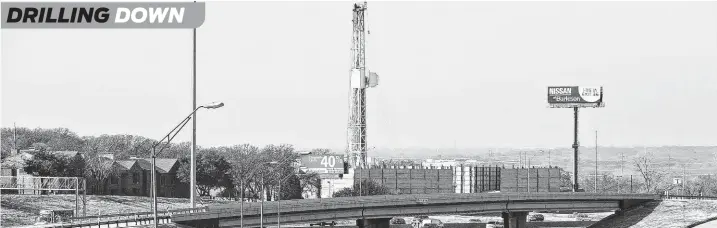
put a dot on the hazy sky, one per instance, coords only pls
(473, 74)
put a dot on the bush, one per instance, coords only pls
(364, 188)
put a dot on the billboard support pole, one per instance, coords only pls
(575, 153)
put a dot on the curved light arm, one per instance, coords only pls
(181, 125)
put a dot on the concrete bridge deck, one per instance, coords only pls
(375, 211)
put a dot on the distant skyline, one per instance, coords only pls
(452, 74)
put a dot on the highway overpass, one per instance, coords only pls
(375, 211)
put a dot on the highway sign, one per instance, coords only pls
(322, 163)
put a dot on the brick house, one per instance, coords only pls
(133, 177)
(129, 179)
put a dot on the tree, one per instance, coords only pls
(365, 188)
(606, 183)
(705, 185)
(213, 171)
(283, 154)
(566, 180)
(291, 188)
(46, 164)
(310, 182)
(121, 146)
(54, 139)
(652, 174)
(320, 151)
(97, 171)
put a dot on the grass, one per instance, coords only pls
(19, 210)
(663, 214)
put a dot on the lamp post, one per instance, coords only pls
(278, 200)
(169, 138)
(241, 207)
(261, 206)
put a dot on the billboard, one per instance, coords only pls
(332, 164)
(575, 96)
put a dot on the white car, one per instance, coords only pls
(431, 223)
(494, 224)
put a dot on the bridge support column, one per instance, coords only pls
(515, 219)
(374, 223)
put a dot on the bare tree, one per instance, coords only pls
(97, 170)
(651, 173)
(311, 182)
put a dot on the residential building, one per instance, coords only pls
(129, 177)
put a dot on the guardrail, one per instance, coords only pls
(688, 197)
(126, 219)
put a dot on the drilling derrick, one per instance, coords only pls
(360, 79)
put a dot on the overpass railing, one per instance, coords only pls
(688, 197)
(127, 219)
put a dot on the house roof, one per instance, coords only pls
(164, 165)
(66, 153)
(126, 164)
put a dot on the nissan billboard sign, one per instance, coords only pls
(333, 164)
(575, 96)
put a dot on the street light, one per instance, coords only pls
(169, 138)
(278, 201)
(242, 180)
(241, 206)
(261, 207)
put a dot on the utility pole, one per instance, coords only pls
(520, 159)
(596, 162)
(526, 157)
(684, 179)
(622, 170)
(193, 152)
(14, 138)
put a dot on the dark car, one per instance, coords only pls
(397, 220)
(332, 223)
(536, 218)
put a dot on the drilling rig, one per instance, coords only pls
(360, 80)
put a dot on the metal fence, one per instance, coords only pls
(48, 185)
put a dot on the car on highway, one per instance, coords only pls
(397, 220)
(582, 217)
(474, 220)
(431, 223)
(494, 224)
(536, 218)
(332, 223)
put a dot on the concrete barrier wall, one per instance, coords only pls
(409, 181)
(483, 225)
(429, 180)
(445, 225)
(539, 180)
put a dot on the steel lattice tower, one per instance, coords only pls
(360, 79)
